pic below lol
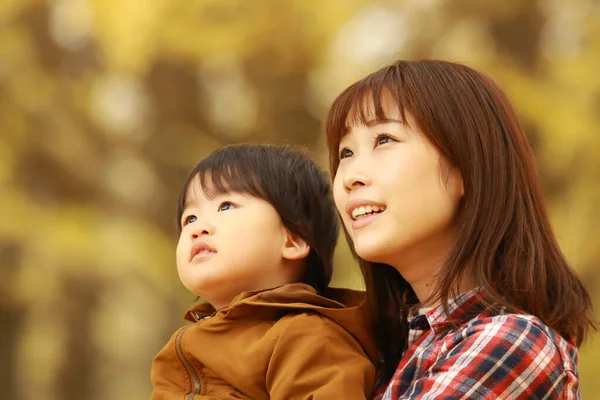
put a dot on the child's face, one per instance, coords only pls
(230, 244)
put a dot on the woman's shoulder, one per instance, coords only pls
(519, 334)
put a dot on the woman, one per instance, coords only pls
(438, 193)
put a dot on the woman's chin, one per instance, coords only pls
(372, 251)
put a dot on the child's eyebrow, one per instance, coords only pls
(189, 203)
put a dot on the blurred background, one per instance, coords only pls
(105, 105)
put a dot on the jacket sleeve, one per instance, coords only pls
(315, 359)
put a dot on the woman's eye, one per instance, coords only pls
(382, 139)
(189, 219)
(345, 153)
(225, 206)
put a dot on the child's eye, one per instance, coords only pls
(189, 219)
(382, 138)
(345, 153)
(226, 205)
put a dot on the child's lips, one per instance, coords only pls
(201, 249)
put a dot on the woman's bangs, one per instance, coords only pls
(357, 105)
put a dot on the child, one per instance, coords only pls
(258, 229)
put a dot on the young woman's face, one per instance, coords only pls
(396, 196)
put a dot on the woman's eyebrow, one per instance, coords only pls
(374, 122)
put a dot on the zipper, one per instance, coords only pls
(188, 366)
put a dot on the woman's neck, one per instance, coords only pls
(420, 266)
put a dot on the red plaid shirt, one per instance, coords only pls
(490, 355)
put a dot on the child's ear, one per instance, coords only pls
(294, 247)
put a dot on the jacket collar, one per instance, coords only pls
(290, 296)
(346, 307)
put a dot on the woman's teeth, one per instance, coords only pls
(364, 211)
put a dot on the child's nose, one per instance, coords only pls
(201, 228)
(197, 234)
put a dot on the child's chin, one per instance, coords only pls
(201, 288)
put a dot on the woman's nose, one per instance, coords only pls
(355, 178)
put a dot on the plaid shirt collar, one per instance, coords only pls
(461, 309)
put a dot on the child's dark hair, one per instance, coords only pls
(291, 182)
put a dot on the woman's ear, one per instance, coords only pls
(454, 181)
(461, 184)
(294, 247)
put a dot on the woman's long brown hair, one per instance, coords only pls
(504, 239)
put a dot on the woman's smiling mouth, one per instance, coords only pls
(363, 211)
